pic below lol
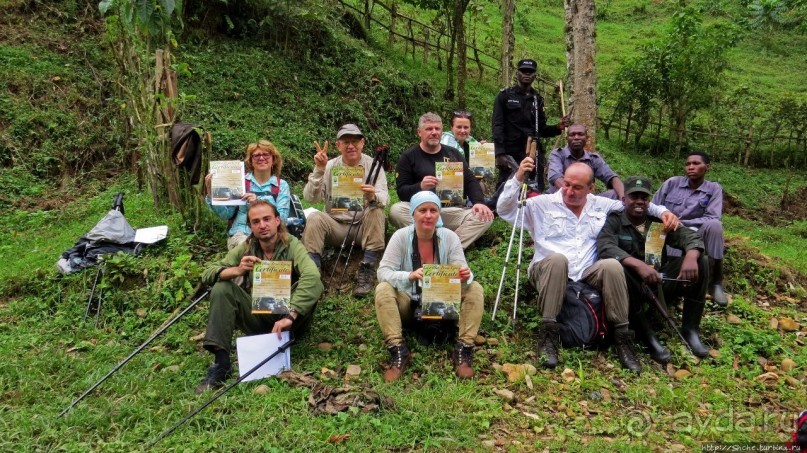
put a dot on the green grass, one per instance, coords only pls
(49, 357)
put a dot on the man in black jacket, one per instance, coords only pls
(518, 113)
(416, 172)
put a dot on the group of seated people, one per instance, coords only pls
(576, 235)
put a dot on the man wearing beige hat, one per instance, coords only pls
(332, 226)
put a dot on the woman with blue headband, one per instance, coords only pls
(401, 271)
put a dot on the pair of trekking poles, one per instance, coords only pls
(154, 336)
(380, 162)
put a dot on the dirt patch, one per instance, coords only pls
(789, 208)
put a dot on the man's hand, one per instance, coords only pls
(281, 325)
(369, 192)
(648, 275)
(670, 221)
(482, 212)
(416, 275)
(564, 122)
(465, 274)
(247, 264)
(321, 157)
(527, 165)
(429, 183)
(689, 267)
(506, 160)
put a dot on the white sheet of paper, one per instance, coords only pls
(309, 211)
(151, 235)
(254, 349)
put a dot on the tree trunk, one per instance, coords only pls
(580, 64)
(508, 41)
(393, 15)
(462, 55)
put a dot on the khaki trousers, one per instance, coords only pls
(459, 220)
(550, 275)
(394, 310)
(321, 230)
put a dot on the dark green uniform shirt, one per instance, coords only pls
(619, 239)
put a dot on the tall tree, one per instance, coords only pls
(580, 64)
(508, 41)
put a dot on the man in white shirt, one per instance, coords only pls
(564, 226)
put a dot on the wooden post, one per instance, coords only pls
(393, 15)
(426, 47)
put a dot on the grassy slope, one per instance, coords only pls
(49, 358)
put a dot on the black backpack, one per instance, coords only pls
(582, 318)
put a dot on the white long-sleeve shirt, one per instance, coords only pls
(556, 229)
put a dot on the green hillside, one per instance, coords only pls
(292, 73)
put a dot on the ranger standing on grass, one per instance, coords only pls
(231, 304)
(518, 113)
(330, 227)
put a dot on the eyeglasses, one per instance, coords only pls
(462, 114)
(261, 156)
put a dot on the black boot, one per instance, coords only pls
(716, 285)
(690, 326)
(657, 351)
(547, 345)
(623, 339)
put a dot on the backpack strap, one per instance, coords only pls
(275, 191)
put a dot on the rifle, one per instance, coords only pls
(661, 307)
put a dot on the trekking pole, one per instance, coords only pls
(509, 249)
(221, 393)
(136, 351)
(374, 167)
(520, 250)
(664, 314)
(372, 178)
(92, 291)
(532, 146)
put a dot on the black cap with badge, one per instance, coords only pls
(528, 64)
(637, 184)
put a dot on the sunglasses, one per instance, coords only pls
(462, 114)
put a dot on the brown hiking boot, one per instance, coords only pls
(547, 345)
(399, 359)
(624, 339)
(463, 358)
(365, 279)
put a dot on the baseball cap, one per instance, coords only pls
(349, 129)
(528, 64)
(638, 184)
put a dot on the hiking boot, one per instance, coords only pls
(716, 284)
(216, 376)
(624, 350)
(547, 345)
(399, 359)
(365, 280)
(463, 358)
(690, 326)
